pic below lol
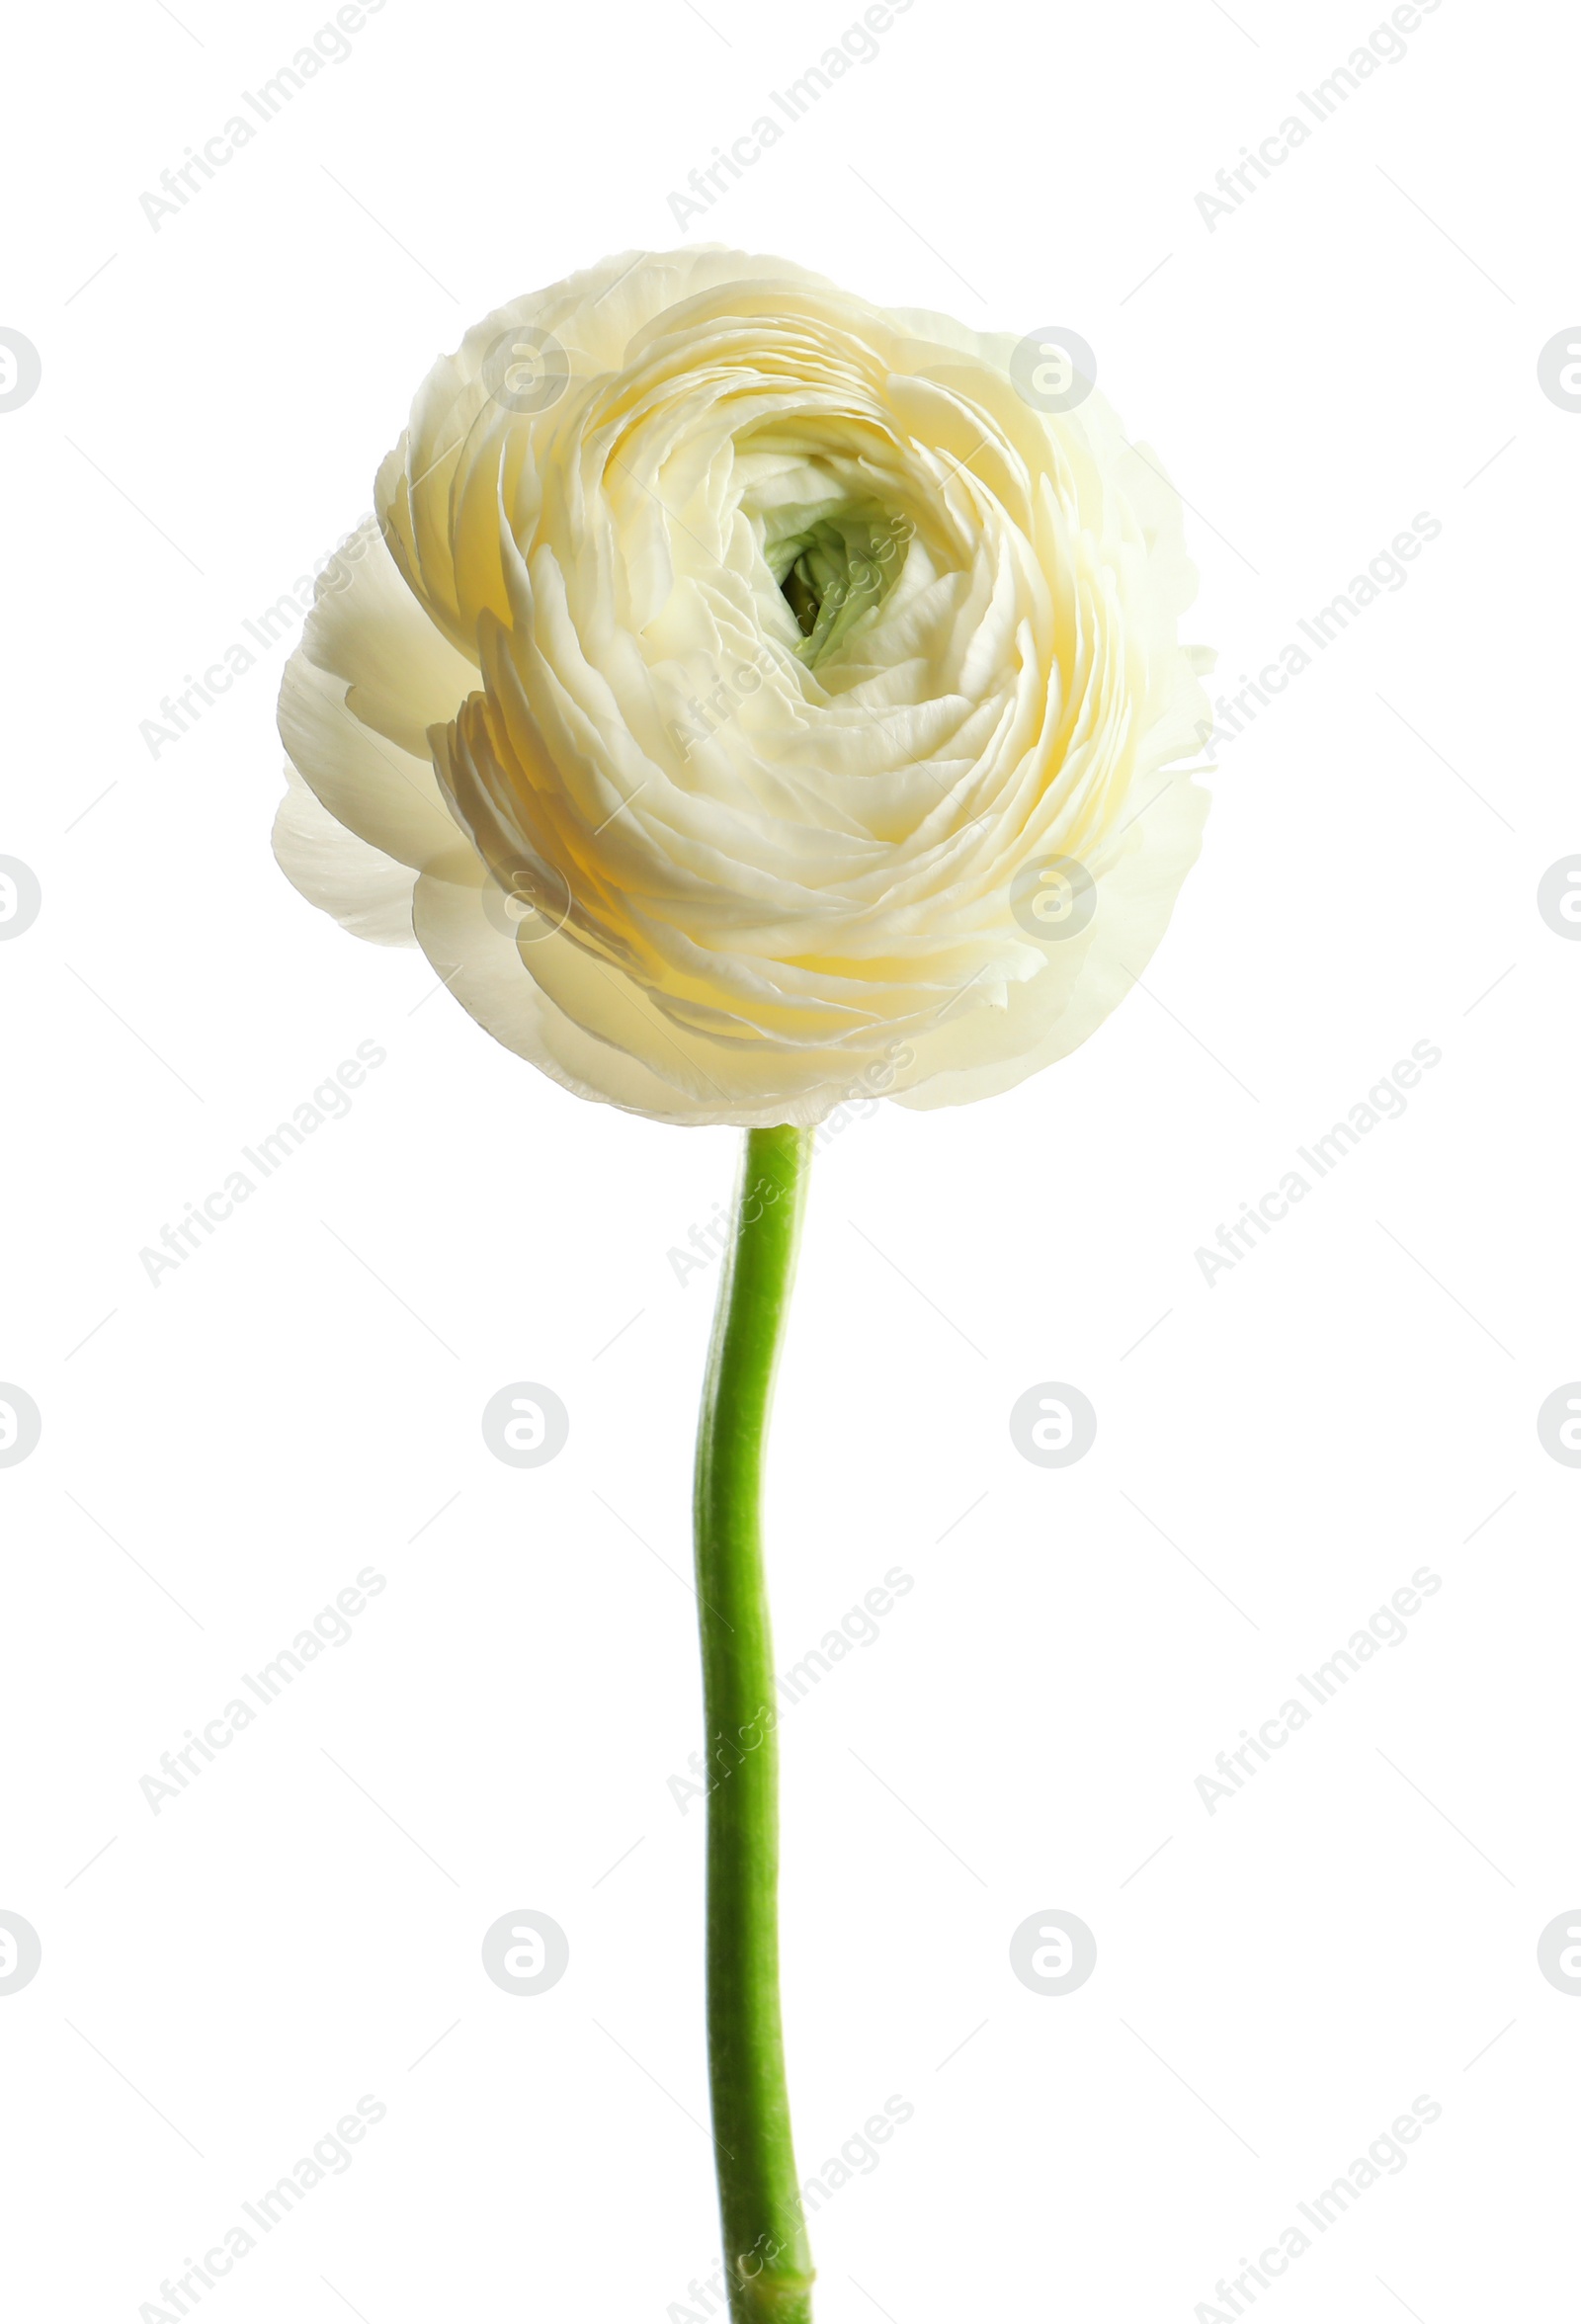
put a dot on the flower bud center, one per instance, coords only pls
(834, 567)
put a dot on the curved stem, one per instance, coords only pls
(768, 2264)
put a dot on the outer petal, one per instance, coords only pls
(456, 924)
(366, 891)
(1135, 901)
(370, 676)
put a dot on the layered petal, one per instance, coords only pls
(771, 704)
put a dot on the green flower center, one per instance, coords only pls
(834, 569)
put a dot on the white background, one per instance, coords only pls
(222, 1453)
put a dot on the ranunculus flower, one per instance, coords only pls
(756, 698)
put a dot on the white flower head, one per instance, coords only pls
(754, 697)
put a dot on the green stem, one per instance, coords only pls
(767, 2265)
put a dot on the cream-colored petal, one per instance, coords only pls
(365, 890)
(366, 627)
(382, 792)
(1135, 903)
(481, 968)
(370, 676)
